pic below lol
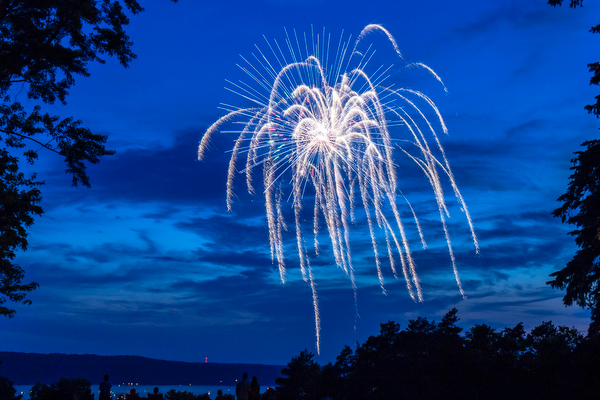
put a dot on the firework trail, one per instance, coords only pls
(325, 127)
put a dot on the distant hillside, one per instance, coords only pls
(29, 368)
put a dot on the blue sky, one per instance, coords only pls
(149, 261)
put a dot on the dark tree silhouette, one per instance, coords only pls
(179, 395)
(433, 361)
(302, 381)
(44, 44)
(7, 390)
(65, 389)
(593, 67)
(581, 207)
(426, 361)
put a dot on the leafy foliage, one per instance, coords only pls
(302, 378)
(7, 390)
(180, 395)
(44, 45)
(581, 207)
(573, 4)
(594, 67)
(65, 389)
(16, 210)
(434, 361)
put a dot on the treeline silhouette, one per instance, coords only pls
(434, 361)
(426, 360)
(80, 389)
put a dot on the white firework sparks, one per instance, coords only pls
(325, 127)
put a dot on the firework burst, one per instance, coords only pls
(324, 127)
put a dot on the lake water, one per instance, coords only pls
(143, 390)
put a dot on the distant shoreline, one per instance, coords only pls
(143, 390)
(29, 368)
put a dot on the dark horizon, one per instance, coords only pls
(30, 368)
